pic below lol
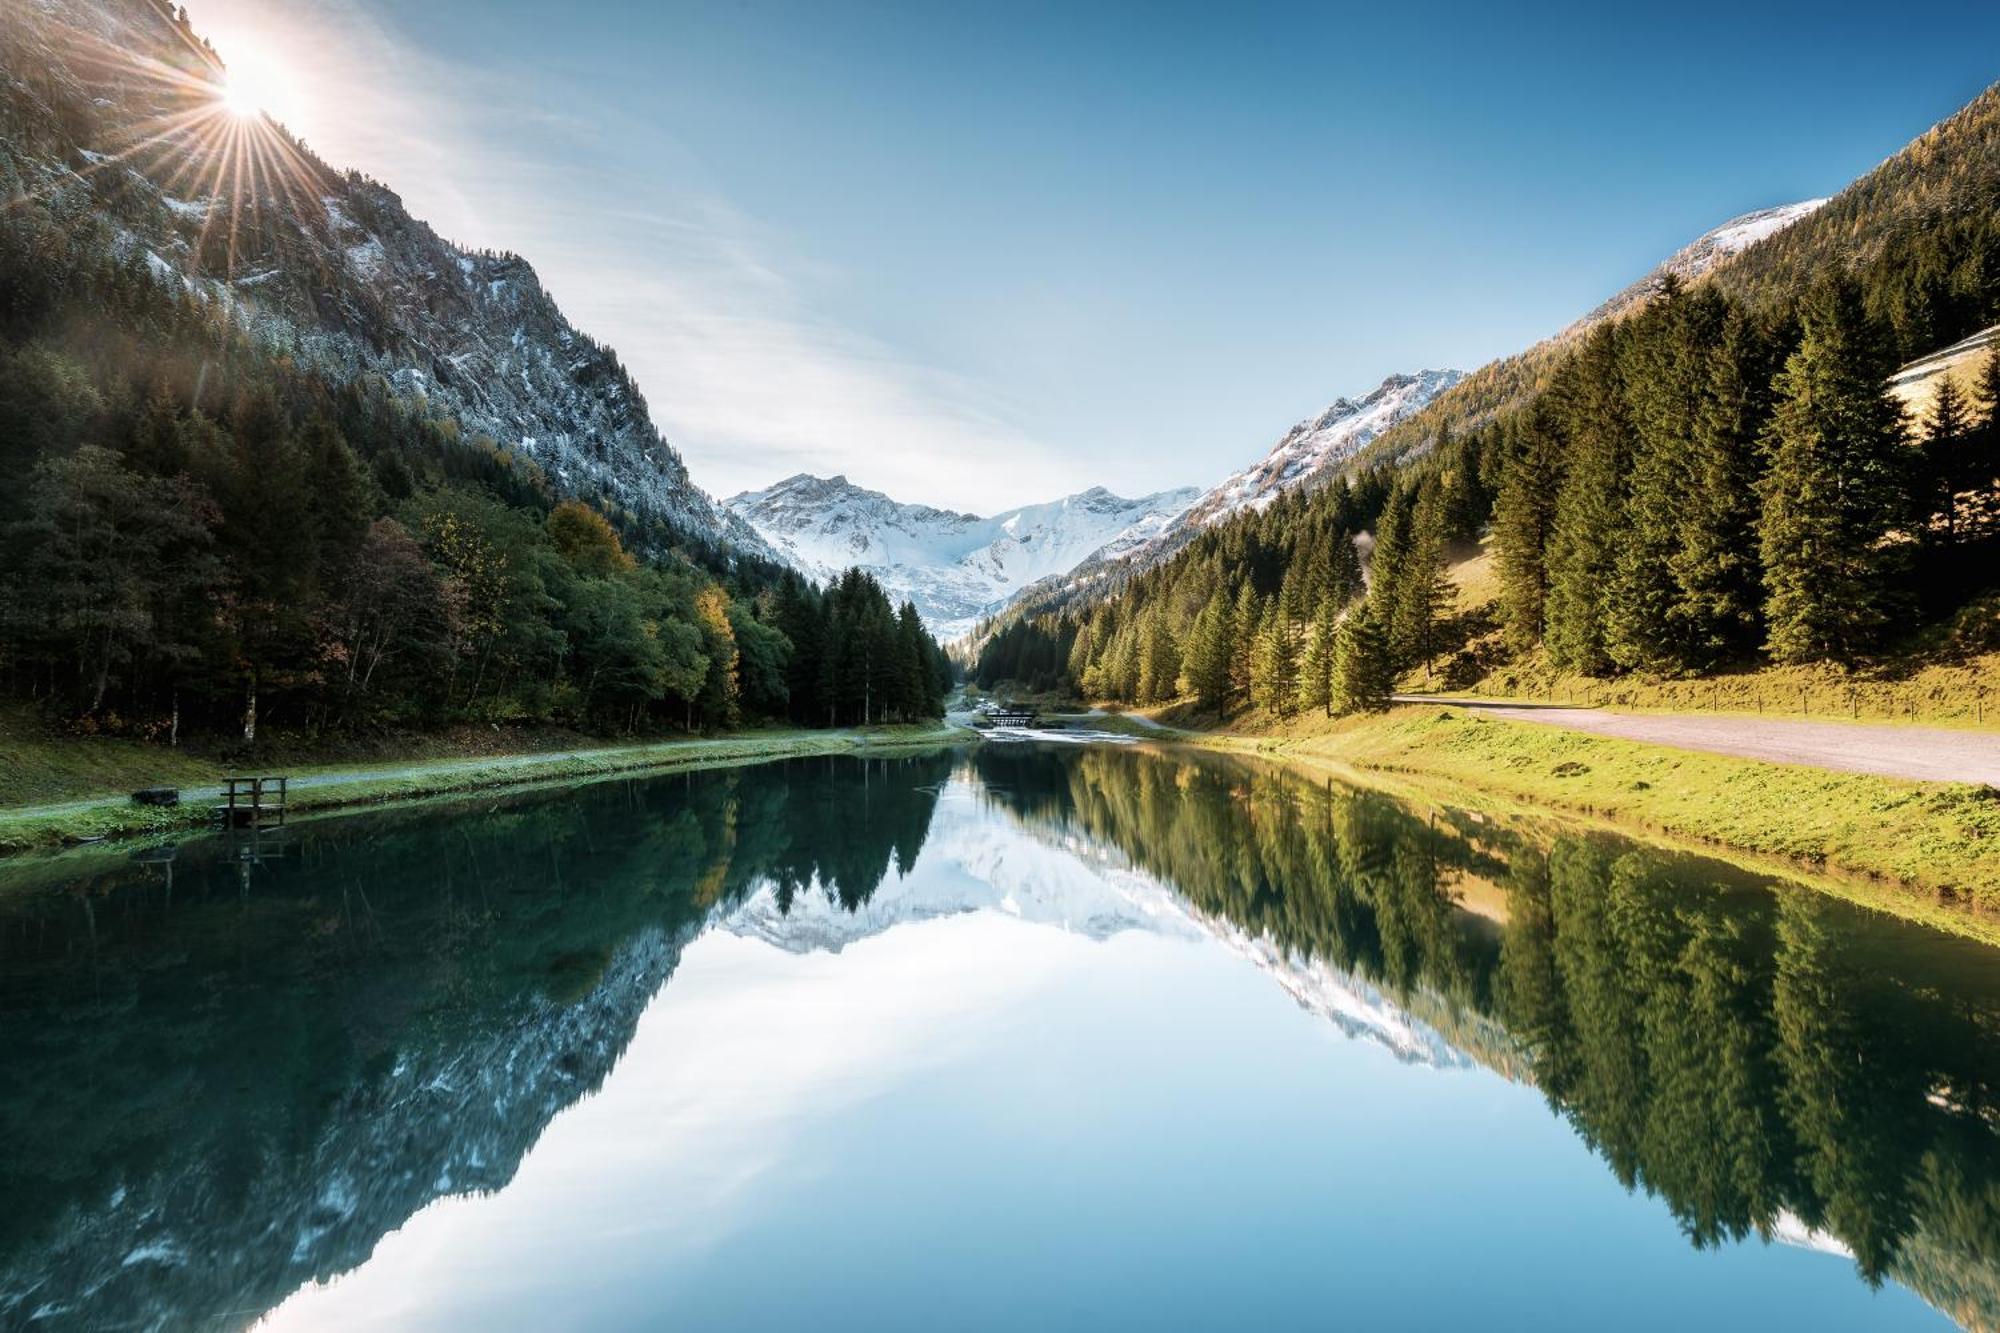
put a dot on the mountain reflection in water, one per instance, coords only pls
(220, 1083)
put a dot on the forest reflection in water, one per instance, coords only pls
(221, 1081)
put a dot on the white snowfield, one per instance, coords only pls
(955, 567)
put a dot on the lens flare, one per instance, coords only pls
(253, 86)
(214, 139)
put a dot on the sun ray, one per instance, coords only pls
(204, 133)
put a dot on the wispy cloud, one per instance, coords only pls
(715, 312)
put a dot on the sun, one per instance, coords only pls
(254, 87)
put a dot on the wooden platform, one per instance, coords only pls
(252, 803)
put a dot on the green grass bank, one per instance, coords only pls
(86, 784)
(1935, 846)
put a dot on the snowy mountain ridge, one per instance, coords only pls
(1700, 255)
(1311, 447)
(956, 567)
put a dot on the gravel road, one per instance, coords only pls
(1922, 754)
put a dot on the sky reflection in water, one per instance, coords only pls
(1026, 1084)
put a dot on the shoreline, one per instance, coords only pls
(1926, 851)
(92, 821)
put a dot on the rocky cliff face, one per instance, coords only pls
(114, 118)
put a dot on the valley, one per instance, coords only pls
(856, 772)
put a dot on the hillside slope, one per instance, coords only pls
(1902, 218)
(119, 144)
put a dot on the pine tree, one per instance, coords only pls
(1946, 431)
(1362, 679)
(1423, 588)
(1715, 566)
(1316, 667)
(1667, 387)
(1387, 563)
(1524, 521)
(1160, 659)
(1343, 583)
(1982, 453)
(1589, 523)
(1206, 662)
(1838, 485)
(1247, 616)
(1274, 667)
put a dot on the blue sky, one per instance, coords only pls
(981, 254)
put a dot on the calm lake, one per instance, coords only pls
(1022, 1036)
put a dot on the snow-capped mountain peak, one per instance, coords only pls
(956, 567)
(1318, 443)
(1310, 449)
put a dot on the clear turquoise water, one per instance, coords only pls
(1024, 1038)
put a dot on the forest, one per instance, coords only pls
(1717, 479)
(203, 538)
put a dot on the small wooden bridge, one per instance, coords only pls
(1012, 717)
(252, 803)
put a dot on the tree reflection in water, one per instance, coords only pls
(1758, 1055)
(213, 1093)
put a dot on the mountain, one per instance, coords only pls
(1916, 216)
(1310, 448)
(955, 567)
(1699, 256)
(121, 132)
(1306, 451)
(1402, 410)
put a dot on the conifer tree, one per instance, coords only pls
(1423, 589)
(1946, 430)
(1316, 666)
(1245, 619)
(1982, 452)
(1589, 526)
(1362, 678)
(1837, 486)
(1343, 582)
(1524, 522)
(1160, 660)
(1274, 666)
(1388, 563)
(1715, 566)
(1206, 661)
(1668, 383)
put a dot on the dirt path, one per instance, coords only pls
(1922, 754)
(1136, 719)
